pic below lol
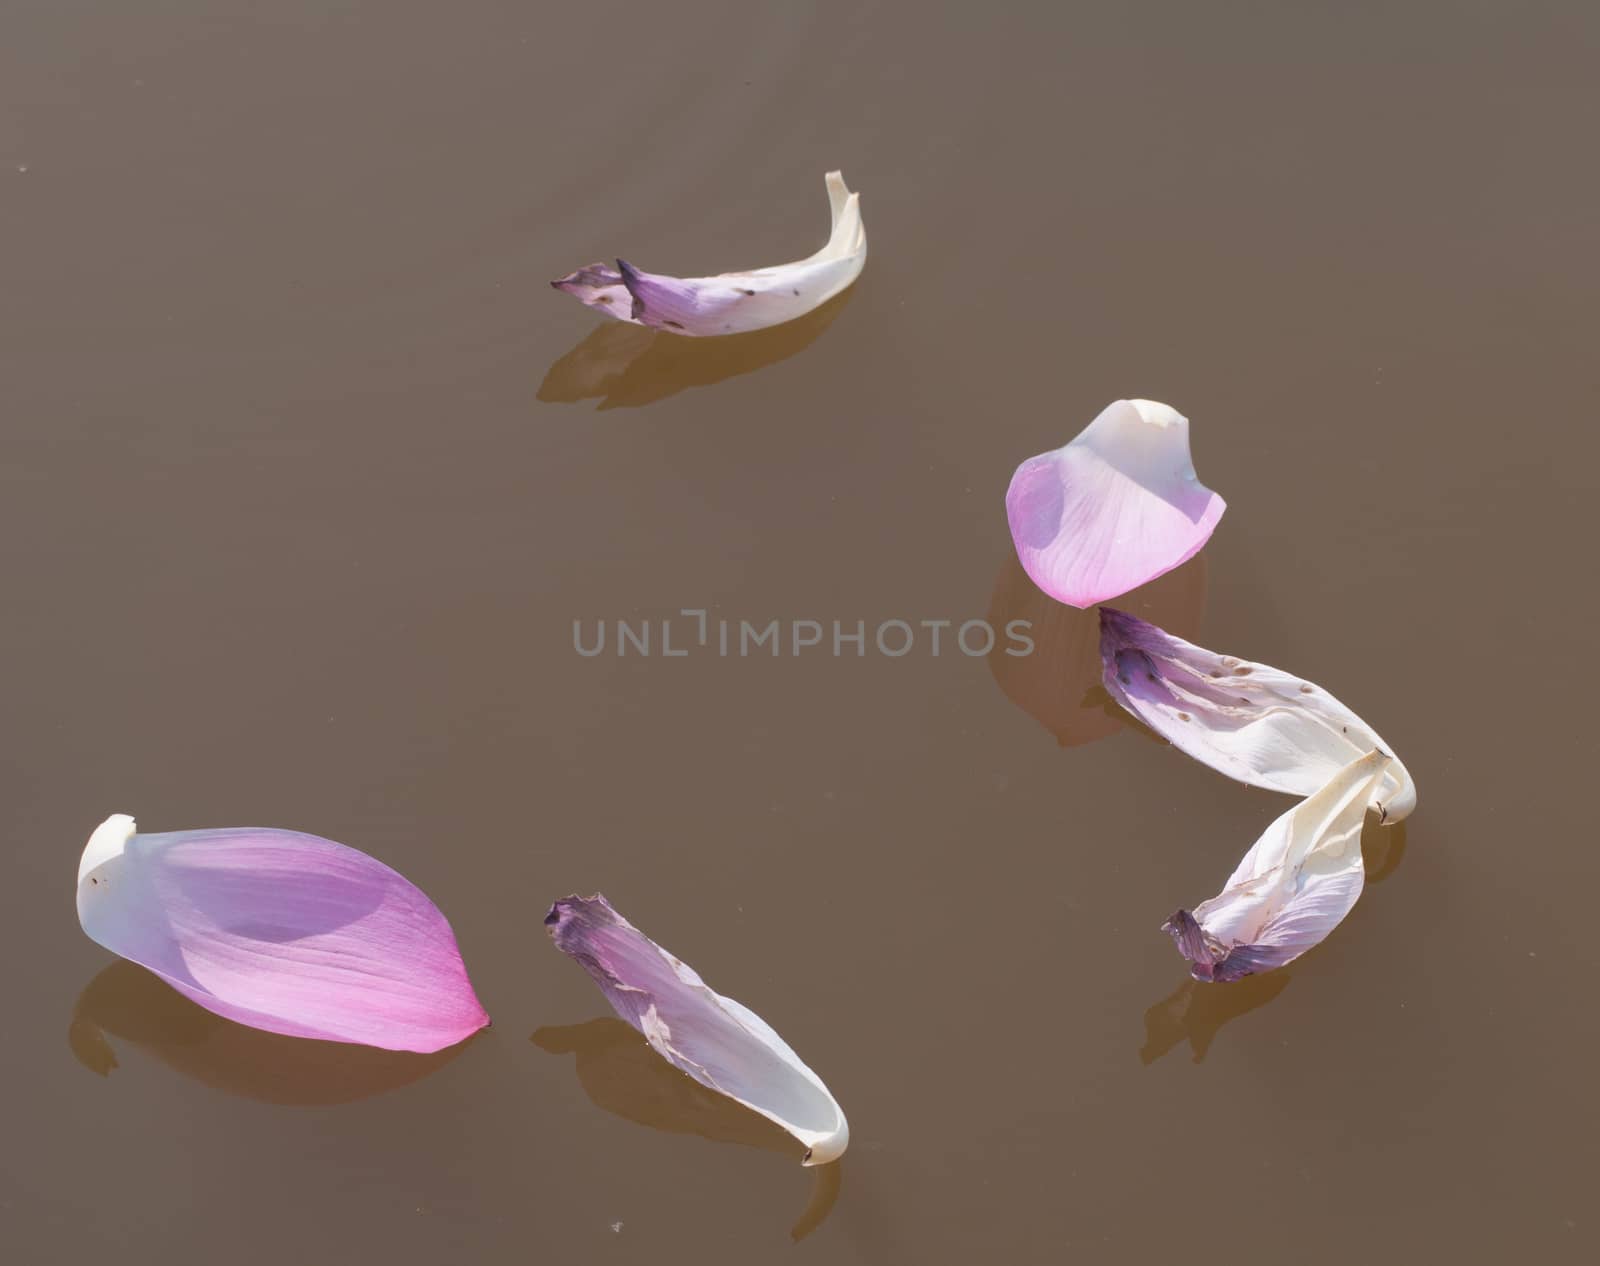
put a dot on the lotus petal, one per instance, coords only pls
(720, 1043)
(281, 931)
(1253, 723)
(731, 303)
(1292, 888)
(1115, 508)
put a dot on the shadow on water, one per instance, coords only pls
(625, 366)
(1383, 848)
(1196, 1011)
(1058, 684)
(129, 1003)
(621, 1074)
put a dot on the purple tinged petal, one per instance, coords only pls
(665, 302)
(1252, 722)
(1113, 509)
(732, 303)
(719, 1042)
(285, 932)
(1291, 889)
(1211, 962)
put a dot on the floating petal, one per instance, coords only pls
(1251, 722)
(281, 931)
(1292, 888)
(731, 303)
(717, 1041)
(1115, 508)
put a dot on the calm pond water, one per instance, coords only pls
(306, 475)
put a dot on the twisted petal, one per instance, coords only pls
(1116, 507)
(1251, 722)
(721, 1044)
(731, 303)
(1291, 889)
(281, 931)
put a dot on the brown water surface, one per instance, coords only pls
(305, 475)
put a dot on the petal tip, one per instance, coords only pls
(829, 1149)
(1156, 413)
(108, 840)
(566, 912)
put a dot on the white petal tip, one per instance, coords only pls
(827, 1151)
(107, 842)
(1158, 414)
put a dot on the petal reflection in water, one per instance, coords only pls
(127, 1002)
(1383, 848)
(1058, 684)
(625, 366)
(1196, 1011)
(621, 1074)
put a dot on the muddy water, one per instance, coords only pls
(307, 475)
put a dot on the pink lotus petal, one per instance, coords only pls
(281, 931)
(731, 303)
(1291, 889)
(1249, 721)
(720, 1043)
(1115, 508)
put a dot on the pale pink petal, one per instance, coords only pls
(1115, 508)
(1291, 889)
(285, 932)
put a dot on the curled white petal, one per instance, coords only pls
(732, 303)
(1293, 887)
